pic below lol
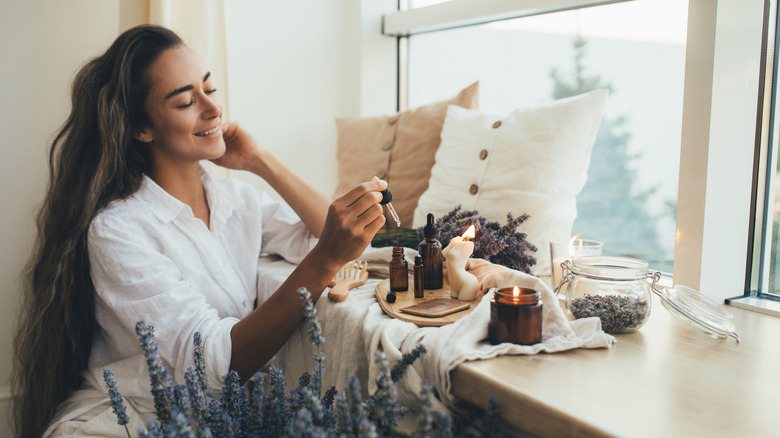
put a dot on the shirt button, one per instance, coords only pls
(382, 174)
(483, 154)
(393, 120)
(243, 303)
(473, 189)
(387, 146)
(221, 263)
(497, 124)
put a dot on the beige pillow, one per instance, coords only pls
(398, 148)
(531, 160)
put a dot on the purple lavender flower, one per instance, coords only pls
(117, 402)
(197, 396)
(234, 400)
(199, 360)
(356, 412)
(366, 429)
(254, 421)
(425, 418)
(315, 337)
(179, 427)
(408, 359)
(384, 408)
(343, 420)
(152, 430)
(275, 404)
(158, 375)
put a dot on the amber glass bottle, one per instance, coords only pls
(432, 260)
(419, 278)
(399, 271)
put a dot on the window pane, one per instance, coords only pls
(637, 49)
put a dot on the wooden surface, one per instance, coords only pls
(665, 380)
(405, 299)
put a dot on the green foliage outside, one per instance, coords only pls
(610, 208)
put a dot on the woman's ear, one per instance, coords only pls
(143, 135)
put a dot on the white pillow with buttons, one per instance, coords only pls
(531, 160)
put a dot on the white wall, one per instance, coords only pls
(42, 43)
(294, 67)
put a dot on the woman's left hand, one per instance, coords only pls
(242, 152)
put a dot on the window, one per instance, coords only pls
(765, 280)
(632, 48)
(720, 57)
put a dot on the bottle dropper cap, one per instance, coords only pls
(386, 197)
(417, 261)
(430, 230)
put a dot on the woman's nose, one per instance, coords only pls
(211, 108)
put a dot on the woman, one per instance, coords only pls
(132, 228)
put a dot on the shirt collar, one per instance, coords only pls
(167, 208)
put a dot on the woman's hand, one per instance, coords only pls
(352, 222)
(242, 152)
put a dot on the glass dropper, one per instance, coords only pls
(386, 198)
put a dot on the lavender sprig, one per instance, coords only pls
(315, 337)
(152, 430)
(179, 427)
(356, 412)
(344, 426)
(197, 396)
(199, 360)
(117, 402)
(425, 418)
(384, 408)
(234, 400)
(254, 421)
(159, 377)
(406, 360)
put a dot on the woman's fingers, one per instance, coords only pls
(375, 185)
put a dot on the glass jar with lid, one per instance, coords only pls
(614, 289)
(618, 290)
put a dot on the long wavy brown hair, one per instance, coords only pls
(93, 160)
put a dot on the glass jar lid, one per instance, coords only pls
(698, 311)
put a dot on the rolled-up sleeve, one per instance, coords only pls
(284, 233)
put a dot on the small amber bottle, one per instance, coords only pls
(419, 278)
(430, 251)
(399, 271)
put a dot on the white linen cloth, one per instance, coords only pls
(354, 329)
(153, 260)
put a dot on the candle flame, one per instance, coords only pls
(516, 292)
(470, 232)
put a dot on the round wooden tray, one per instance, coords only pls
(405, 299)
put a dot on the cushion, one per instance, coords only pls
(530, 160)
(397, 148)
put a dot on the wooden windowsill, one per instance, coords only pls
(666, 379)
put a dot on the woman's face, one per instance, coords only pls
(183, 109)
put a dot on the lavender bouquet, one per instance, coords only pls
(496, 243)
(270, 410)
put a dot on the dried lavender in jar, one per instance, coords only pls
(618, 313)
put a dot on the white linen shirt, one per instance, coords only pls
(153, 260)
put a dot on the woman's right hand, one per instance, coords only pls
(352, 222)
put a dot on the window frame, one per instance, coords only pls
(723, 113)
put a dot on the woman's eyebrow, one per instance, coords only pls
(186, 87)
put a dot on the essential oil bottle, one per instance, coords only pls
(432, 260)
(399, 271)
(419, 278)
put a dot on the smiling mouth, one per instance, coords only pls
(209, 132)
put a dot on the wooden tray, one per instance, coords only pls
(405, 299)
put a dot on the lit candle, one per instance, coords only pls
(515, 316)
(463, 285)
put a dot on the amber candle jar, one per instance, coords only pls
(515, 317)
